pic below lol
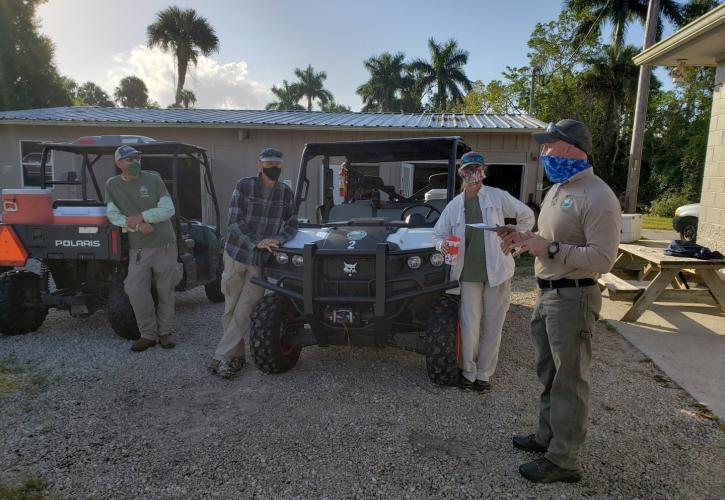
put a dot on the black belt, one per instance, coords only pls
(565, 283)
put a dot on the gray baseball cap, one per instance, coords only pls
(270, 154)
(575, 133)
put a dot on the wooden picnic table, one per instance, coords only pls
(667, 270)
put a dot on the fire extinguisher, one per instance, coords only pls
(343, 182)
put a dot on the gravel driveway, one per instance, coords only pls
(109, 423)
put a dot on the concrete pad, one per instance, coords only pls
(686, 341)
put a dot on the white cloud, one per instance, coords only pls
(215, 85)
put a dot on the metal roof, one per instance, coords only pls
(91, 115)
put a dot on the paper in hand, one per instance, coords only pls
(493, 227)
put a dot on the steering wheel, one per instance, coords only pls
(430, 208)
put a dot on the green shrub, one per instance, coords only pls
(666, 204)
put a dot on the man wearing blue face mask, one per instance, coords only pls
(577, 241)
(138, 202)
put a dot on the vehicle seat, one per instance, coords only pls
(347, 211)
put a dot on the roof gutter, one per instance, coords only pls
(457, 130)
(690, 33)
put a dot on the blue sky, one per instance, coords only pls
(262, 42)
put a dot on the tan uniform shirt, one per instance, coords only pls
(583, 215)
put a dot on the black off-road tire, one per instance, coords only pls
(442, 341)
(20, 308)
(270, 352)
(214, 289)
(120, 313)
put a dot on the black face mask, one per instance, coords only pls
(272, 173)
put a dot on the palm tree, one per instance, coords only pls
(310, 85)
(288, 97)
(186, 34)
(380, 92)
(411, 92)
(90, 94)
(620, 13)
(334, 107)
(444, 74)
(132, 93)
(188, 98)
(611, 82)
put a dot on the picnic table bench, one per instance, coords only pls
(665, 271)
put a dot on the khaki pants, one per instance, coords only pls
(159, 263)
(240, 296)
(561, 327)
(483, 311)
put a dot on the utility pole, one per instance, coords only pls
(534, 73)
(640, 112)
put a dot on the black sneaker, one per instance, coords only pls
(529, 443)
(481, 386)
(465, 384)
(543, 471)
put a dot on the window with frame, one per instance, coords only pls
(30, 156)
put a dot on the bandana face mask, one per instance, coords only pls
(559, 169)
(471, 176)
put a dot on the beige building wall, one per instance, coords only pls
(233, 153)
(711, 226)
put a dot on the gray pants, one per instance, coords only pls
(159, 263)
(240, 296)
(561, 327)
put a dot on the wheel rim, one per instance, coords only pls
(689, 232)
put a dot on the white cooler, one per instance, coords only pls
(631, 228)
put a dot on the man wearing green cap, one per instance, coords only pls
(138, 202)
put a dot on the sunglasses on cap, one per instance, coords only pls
(551, 128)
(472, 159)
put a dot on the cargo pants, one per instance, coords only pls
(561, 326)
(240, 296)
(160, 265)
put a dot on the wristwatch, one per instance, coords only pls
(552, 249)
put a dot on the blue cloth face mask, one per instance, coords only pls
(560, 169)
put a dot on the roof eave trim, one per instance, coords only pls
(255, 126)
(683, 36)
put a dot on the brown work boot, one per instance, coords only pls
(142, 344)
(165, 342)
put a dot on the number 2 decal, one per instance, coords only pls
(351, 244)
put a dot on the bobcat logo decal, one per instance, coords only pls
(349, 269)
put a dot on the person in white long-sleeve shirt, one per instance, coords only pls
(482, 269)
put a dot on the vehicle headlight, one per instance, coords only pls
(677, 212)
(282, 258)
(414, 262)
(298, 260)
(437, 259)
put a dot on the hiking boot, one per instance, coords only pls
(528, 443)
(226, 369)
(465, 384)
(165, 342)
(142, 344)
(542, 470)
